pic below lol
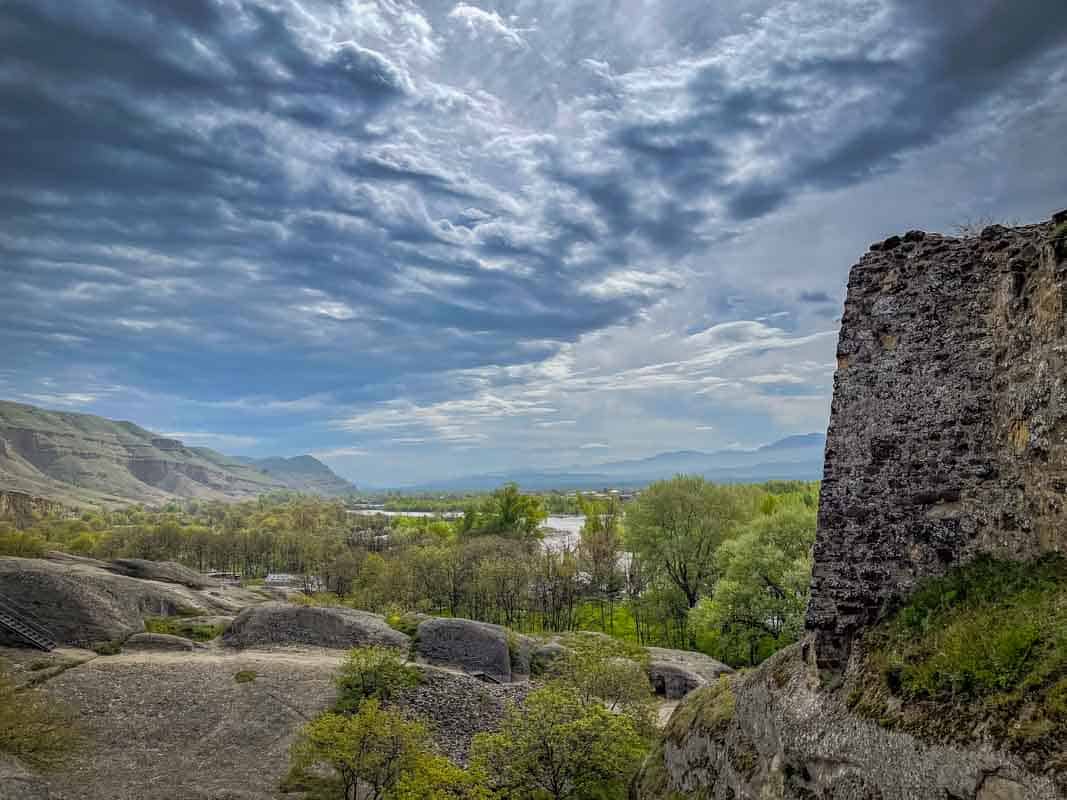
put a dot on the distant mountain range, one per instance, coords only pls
(82, 458)
(793, 458)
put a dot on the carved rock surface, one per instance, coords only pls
(948, 433)
(286, 624)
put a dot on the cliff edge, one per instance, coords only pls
(947, 447)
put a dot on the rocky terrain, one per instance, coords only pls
(947, 440)
(164, 716)
(78, 459)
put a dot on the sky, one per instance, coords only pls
(429, 239)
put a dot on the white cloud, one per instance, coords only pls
(477, 19)
(593, 446)
(213, 439)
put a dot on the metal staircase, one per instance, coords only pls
(23, 625)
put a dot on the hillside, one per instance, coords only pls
(304, 474)
(81, 458)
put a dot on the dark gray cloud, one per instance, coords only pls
(441, 207)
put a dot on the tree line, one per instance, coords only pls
(687, 563)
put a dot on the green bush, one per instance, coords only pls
(178, 626)
(22, 545)
(245, 676)
(377, 673)
(109, 648)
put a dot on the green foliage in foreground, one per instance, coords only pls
(20, 544)
(373, 673)
(367, 753)
(178, 626)
(984, 646)
(557, 747)
(33, 728)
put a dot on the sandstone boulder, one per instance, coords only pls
(159, 642)
(544, 655)
(81, 604)
(676, 673)
(285, 624)
(166, 571)
(476, 647)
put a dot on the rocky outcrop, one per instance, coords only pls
(948, 434)
(676, 673)
(477, 647)
(285, 624)
(82, 603)
(17, 782)
(165, 571)
(776, 733)
(22, 508)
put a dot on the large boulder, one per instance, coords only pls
(476, 647)
(166, 571)
(284, 624)
(81, 604)
(676, 673)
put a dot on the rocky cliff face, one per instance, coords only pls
(947, 440)
(948, 435)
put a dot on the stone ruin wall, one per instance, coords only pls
(948, 431)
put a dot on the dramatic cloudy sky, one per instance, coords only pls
(429, 238)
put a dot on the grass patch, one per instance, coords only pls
(1060, 231)
(108, 648)
(979, 653)
(33, 728)
(245, 676)
(710, 708)
(179, 626)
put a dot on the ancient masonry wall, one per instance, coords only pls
(948, 431)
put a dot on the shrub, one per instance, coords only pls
(581, 751)
(377, 673)
(372, 749)
(178, 626)
(245, 676)
(22, 545)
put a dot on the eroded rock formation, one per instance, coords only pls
(948, 435)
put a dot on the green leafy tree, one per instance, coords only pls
(509, 513)
(759, 602)
(368, 752)
(373, 673)
(557, 747)
(676, 526)
(436, 778)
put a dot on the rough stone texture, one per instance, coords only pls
(23, 508)
(81, 602)
(790, 739)
(474, 647)
(458, 706)
(166, 571)
(281, 623)
(948, 433)
(675, 673)
(159, 642)
(19, 783)
(177, 726)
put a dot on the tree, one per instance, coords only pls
(436, 778)
(373, 673)
(600, 549)
(368, 751)
(556, 747)
(677, 525)
(759, 602)
(509, 513)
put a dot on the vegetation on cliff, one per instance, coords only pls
(978, 654)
